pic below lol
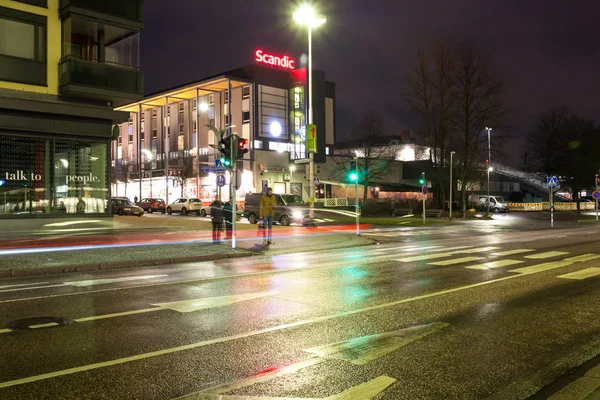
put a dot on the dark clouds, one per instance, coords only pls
(547, 52)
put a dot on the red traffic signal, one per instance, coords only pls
(241, 150)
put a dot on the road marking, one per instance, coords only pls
(511, 252)
(89, 282)
(365, 391)
(456, 261)
(548, 254)
(541, 267)
(577, 390)
(23, 284)
(583, 274)
(424, 257)
(477, 250)
(583, 258)
(47, 325)
(5, 330)
(225, 339)
(363, 350)
(185, 306)
(495, 264)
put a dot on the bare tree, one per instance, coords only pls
(545, 141)
(372, 155)
(431, 96)
(479, 103)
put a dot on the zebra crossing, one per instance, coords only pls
(478, 258)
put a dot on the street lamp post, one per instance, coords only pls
(148, 159)
(306, 16)
(451, 165)
(292, 169)
(488, 170)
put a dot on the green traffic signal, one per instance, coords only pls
(225, 162)
(421, 181)
(353, 177)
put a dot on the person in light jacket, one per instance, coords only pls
(268, 202)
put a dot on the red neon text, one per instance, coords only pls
(284, 61)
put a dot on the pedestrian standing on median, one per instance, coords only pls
(268, 202)
(228, 213)
(216, 215)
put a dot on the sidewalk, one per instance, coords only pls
(40, 261)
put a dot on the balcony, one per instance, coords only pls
(100, 81)
(120, 10)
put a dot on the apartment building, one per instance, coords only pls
(64, 66)
(165, 149)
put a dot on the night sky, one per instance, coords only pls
(547, 52)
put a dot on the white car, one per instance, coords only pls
(185, 205)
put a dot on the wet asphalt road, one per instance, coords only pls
(493, 314)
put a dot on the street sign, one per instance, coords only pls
(220, 180)
(424, 189)
(311, 138)
(302, 161)
(265, 186)
(596, 194)
(316, 180)
(215, 170)
(552, 181)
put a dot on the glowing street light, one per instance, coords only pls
(305, 15)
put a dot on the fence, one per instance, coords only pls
(545, 206)
(333, 202)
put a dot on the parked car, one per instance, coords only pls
(151, 204)
(497, 204)
(122, 206)
(185, 205)
(290, 208)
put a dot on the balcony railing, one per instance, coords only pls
(132, 10)
(80, 77)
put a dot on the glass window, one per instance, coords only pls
(181, 129)
(154, 134)
(181, 107)
(195, 126)
(154, 113)
(26, 40)
(130, 132)
(194, 104)
(245, 92)
(245, 116)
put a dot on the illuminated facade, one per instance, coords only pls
(64, 66)
(266, 105)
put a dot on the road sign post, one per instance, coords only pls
(424, 192)
(596, 196)
(552, 182)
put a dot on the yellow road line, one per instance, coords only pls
(495, 264)
(583, 274)
(541, 267)
(47, 325)
(5, 330)
(511, 252)
(456, 261)
(583, 258)
(548, 254)
(477, 250)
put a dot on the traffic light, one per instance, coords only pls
(225, 149)
(352, 174)
(422, 179)
(241, 148)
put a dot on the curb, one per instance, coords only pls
(119, 264)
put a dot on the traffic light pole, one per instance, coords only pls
(232, 188)
(595, 200)
(423, 194)
(356, 197)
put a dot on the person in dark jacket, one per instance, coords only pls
(216, 215)
(228, 212)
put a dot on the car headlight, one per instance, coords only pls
(297, 214)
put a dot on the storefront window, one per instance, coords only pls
(52, 176)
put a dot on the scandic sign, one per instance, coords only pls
(277, 61)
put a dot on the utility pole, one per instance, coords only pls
(423, 192)
(596, 200)
(356, 197)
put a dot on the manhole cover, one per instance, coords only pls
(39, 322)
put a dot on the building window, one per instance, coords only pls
(195, 126)
(130, 118)
(211, 121)
(181, 108)
(227, 120)
(258, 144)
(142, 116)
(211, 100)
(245, 116)
(154, 113)
(27, 40)
(326, 151)
(181, 129)
(245, 92)
(194, 140)
(226, 96)
(154, 134)
(120, 140)
(194, 104)
(130, 132)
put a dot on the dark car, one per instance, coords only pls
(125, 207)
(290, 208)
(151, 204)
